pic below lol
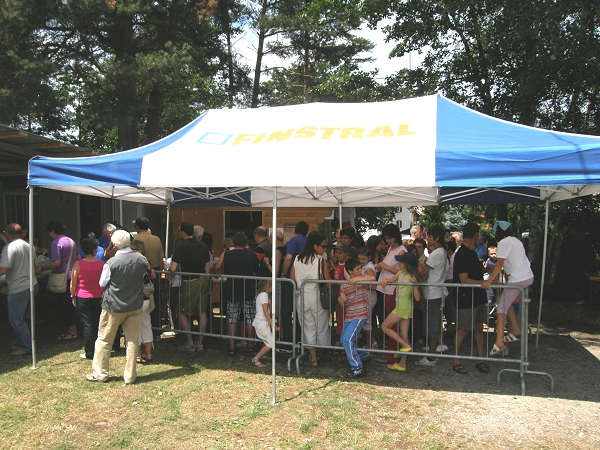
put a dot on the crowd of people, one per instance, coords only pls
(405, 313)
(110, 284)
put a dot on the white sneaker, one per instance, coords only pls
(82, 355)
(187, 347)
(440, 348)
(199, 347)
(425, 362)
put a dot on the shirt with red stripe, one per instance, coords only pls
(356, 305)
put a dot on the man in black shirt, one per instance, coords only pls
(472, 303)
(192, 256)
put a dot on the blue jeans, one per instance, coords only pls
(348, 339)
(17, 305)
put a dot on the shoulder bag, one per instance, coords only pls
(324, 290)
(57, 282)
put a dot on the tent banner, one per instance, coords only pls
(318, 144)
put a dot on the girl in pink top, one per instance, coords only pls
(86, 294)
(388, 268)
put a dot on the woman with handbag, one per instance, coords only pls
(314, 319)
(63, 253)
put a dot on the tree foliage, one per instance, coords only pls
(317, 38)
(531, 62)
(373, 218)
(125, 72)
(31, 98)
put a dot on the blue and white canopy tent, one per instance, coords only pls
(361, 154)
(419, 151)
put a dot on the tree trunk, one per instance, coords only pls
(127, 119)
(306, 59)
(555, 242)
(126, 82)
(535, 241)
(520, 220)
(230, 72)
(155, 109)
(556, 257)
(502, 212)
(259, 55)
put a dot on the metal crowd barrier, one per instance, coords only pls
(286, 293)
(522, 361)
(168, 294)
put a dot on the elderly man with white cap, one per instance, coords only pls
(123, 282)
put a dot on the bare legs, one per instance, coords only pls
(262, 352)
(402, 338)
(185, 326)
(203, 323)
(461, 334)
(147, 351)
(513, 325)
(232, 330)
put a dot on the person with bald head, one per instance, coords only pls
(123, 281)
(16, 265)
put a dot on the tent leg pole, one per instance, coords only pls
(121, 212)
(546, 226)
(33, 261)
(167, 230)
(274, 302)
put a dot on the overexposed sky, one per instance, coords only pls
(246, 47)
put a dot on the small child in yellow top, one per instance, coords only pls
(404, 305)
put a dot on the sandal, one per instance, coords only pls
(497, 350)
(146, 359)
(139, 360)
(458, 368)
(510, 338)
(256, 363)
(68, 336)
(482, 367)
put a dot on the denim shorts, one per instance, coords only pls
(431, 320)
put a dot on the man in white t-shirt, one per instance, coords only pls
(16, 266)
(433, 272)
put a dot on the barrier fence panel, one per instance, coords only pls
(322, 326)
(304, 324)
(226, 310)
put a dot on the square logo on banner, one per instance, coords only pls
(214, 138)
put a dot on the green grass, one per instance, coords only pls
(213, 401)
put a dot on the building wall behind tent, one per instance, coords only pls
(80, 214)
(213, 220)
